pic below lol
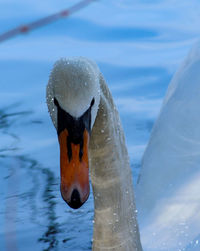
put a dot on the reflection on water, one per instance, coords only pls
(49, 237)
(11, 204)
(29, 197)
(21, 167)
(7, 120)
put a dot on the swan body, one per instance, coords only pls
(167, 192)
(76, 87)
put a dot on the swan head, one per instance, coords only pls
(73, 96)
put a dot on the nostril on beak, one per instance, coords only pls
(75, 200)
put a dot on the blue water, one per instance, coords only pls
(138, 46)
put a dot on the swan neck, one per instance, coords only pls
(115, 224)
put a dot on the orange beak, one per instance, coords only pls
(74, 169)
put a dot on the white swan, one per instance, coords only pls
(168, 191)
(81, 106)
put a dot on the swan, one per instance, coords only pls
(90, 134)
(168, 207)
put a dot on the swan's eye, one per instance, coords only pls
(92, 102)
(56, 102)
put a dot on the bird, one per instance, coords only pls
(92, 143)
(167, 191)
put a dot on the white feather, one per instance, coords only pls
(74, 83)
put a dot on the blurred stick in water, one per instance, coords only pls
(44, 21)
